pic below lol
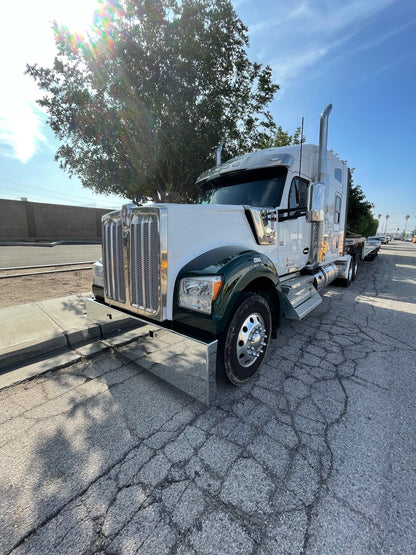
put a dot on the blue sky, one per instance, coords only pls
(359, 55)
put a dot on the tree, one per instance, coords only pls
(298, 138)
(385, 228)
(360, 219)
(405, 226)
(140, 104)
(282, 138)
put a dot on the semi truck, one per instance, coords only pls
(208, 284)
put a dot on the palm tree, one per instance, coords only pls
(405, 225)
(387, 217)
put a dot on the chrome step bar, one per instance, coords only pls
(300, 292)
(300, 296)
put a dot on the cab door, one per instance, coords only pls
(294, 238)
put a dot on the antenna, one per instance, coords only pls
(301, 143)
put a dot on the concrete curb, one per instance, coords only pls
(62, 271)
(34, 330)
(46, 266)
(60, 358)
(30, 244)
(45, 243)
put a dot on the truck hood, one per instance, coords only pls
(194, 229)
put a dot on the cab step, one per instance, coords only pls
(300, 296)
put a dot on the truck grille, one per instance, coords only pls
(115, 285)
(144, 263)
(132, 260)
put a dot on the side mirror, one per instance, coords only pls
(316, 202)
(259, 222)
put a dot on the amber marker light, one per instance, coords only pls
(216, 287)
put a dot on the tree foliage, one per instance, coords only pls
(280, 137)
(140, 104)
(360, 219)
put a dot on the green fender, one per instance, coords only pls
(241, 270)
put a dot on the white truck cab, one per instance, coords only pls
(278, 181)
(267, 235)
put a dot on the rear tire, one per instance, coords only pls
(245, 341)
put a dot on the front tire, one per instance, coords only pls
(246, 339)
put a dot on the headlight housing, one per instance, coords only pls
(197, 293)
(98, 273)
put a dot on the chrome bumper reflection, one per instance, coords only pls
(184, 362)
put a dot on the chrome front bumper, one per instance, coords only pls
(182, 361)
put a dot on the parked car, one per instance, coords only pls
(376, 241)
(381, 238)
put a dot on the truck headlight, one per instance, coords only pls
(197, 293)
(98, 273)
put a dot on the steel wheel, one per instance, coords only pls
(246, 339)
(251, 340)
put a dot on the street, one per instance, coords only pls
(317, 455)
(21, 256)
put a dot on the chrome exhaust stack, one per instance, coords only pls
(218, 154)
(323, 143)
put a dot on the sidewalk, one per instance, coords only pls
(37, 337)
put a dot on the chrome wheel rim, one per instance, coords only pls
(251, 340)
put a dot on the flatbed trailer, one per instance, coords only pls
(361, 248)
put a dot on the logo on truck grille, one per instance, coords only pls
(124, 214)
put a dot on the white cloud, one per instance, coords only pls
(287, 68)
(387, 67)
(238, 3)
(20, 123)
(28, 38)
(382, 38)
(20, 130)
(306, 32)
(278, 22)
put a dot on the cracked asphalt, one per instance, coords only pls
(316, 455)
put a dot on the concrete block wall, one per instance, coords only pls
(13, 221)
(36, 221)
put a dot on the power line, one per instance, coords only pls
(51, 200)
(36, 188)
(22, 189)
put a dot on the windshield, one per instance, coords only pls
(261, 187)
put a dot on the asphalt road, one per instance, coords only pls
(316, 456)
(21, 256)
